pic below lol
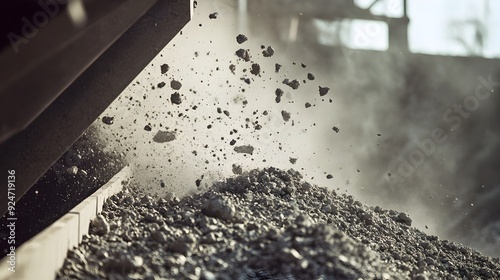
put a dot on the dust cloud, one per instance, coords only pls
(380, 107)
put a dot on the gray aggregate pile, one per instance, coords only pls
(264, 224)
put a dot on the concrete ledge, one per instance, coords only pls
(86, 211)
(44, 254)
(110, 188)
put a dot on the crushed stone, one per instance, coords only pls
(164, 136)
(264, 224)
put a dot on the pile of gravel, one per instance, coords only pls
(264, 224)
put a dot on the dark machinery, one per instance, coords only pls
(62, 63)
(337, 10)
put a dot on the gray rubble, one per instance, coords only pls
(264, 224)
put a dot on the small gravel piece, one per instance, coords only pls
(164, 136)
(164, 68)
(237, 169)
(255, 69)
(277, 67)
(294, 84)
(72, 170)
(213, 15)
(241, 39)
(99, 226)
(268, 52)
(323, 91)
(247, 149)
(175, 85)
(310, 77)
(218, 207)
(108, 120)
(279, 93)
(403, 218)
(243, 54)
(175, 98)
(336, 129)
(308, 105)
(286, 116)
(161, 84)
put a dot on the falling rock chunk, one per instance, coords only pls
(241, 39)
(73, 170)
(293, 84)
(164, 136)
(277, 67)
(255, 69)
(336, 129)
(175, 98)
(243, 54)
(108, 120)
(268, 52)
(293, 160)
(161, 84)
(99, 226)
(323, 91)
(279, 93)
(237, 169)
(148, 127)
(286, 116)
(232, 67)
(175, 85)
(213, 15)
(308, 105)
(403, 218)
(164, 68)
(329, 176)
(218, 207)
(310, 76)
(247, 149)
